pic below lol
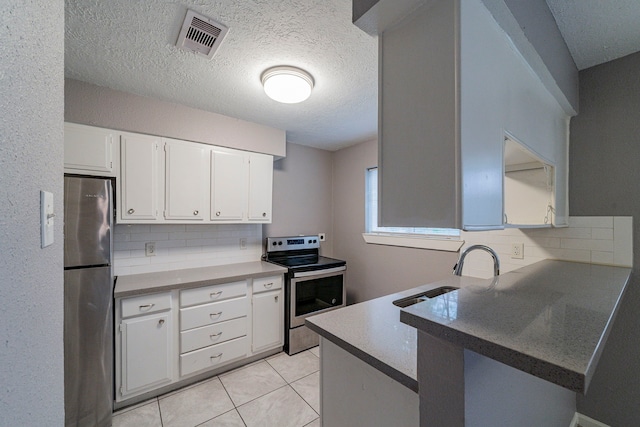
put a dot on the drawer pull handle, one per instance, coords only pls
(217, 356)
(161, 322)
(215, 294)
(218, 314)
(146, 307)
(215, 336)
(268, 285)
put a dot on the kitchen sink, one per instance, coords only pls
(423, 296)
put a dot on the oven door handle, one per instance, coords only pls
(319, 272)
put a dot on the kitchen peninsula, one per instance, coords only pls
(512, 350)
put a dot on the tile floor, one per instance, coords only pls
(279, 391)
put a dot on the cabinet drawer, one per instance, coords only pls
(212, 334)
(145, 304)
(212, 293)
(213, 356)
(215, 312)
(267, 284)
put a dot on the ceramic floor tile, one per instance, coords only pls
(252, 382)
(280, 408)
(143, 416)
(195, 405)
(315, 350)
(137, 405)
(314, 423)
(229, 419)
(294, 367)
(309, 388)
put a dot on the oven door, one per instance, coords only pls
(314, 292)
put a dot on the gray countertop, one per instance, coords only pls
(372, 331)
(138, 284)
(550, 319)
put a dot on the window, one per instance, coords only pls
(402, 236)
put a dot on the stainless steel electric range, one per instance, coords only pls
(314, 284)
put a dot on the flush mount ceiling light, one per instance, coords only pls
(287, 84)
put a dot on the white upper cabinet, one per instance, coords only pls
(229, 185)
(186, 180)
(90, 150)
(452, 89)
(260, 187)
(140, 179)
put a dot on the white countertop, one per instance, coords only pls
(138, 284)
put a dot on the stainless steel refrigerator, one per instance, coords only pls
(88, 301)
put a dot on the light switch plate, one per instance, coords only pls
(46, 218)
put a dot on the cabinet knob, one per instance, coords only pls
(195, 212)
(130, 211)
(276, 298)
(218, 213)
(161, 322)
(264, 214)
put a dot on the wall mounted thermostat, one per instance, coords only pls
(46, 217)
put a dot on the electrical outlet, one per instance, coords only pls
(243, 243)
(517, 250)
(150, 249)
(322, 237)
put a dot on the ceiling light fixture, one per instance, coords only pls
(286, 84)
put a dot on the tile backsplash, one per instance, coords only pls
(183, 246)
(597, 240)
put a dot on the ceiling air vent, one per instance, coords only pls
(201, 34)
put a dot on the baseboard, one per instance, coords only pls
(580, 420)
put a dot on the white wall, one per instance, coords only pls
(501, 93)
(31, 157)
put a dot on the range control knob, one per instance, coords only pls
(274, 243)
(280, 243)
(315, 241)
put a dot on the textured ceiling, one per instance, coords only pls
(130, 46)
(598, 31)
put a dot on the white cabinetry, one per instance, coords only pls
(260, 187)
(90, 150)
(228, 185)
(268, 314)
(141, 178)
(212, 333)
(144, 344)
(186, 180)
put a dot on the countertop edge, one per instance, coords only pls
(548, 371)
(217, 275)
(389, 371)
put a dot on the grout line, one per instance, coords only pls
(160, 412)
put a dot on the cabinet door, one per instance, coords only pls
(229, 189)
(268, 320)
(88, 149)
(186, 180)
(140, 184)
(260, 187)
(147, 350)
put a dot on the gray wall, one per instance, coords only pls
(374, 270)
(604, 180)
(31, 278)
(302, 202)
(100, 106)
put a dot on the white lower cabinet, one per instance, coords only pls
(145, 346)
(158, 345)
(268, 314)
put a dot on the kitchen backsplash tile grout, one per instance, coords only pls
(599, 240)
(180, 246)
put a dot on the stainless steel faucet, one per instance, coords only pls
(457, 269)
